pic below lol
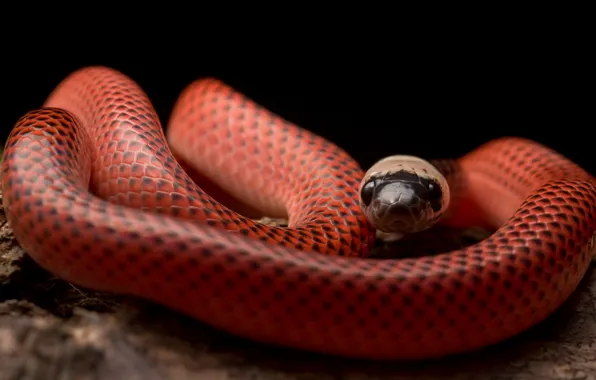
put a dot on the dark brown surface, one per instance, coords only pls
(50, 329)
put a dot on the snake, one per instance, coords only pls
(99, 194)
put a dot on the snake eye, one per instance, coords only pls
(367, 192)
(435, 195)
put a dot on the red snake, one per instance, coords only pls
(97, 145)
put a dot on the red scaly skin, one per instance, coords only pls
(69, 169)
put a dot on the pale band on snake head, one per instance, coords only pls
(96, 196)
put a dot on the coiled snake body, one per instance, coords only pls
(97, 145)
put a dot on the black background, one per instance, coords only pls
(438, 99)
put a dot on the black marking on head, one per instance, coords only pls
(402, 176)
(434, 192)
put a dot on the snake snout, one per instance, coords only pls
(397, 207)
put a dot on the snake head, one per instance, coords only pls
(403, 194)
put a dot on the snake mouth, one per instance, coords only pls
(403, 221)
